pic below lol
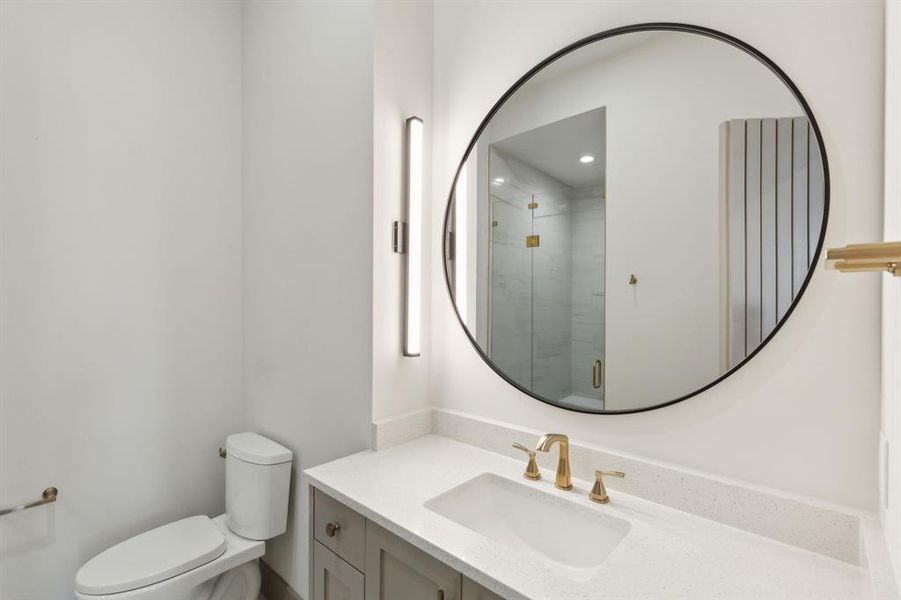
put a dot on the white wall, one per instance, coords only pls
(120, 274)
(803, 416)
(402, 88)
(890, 465)
(308, 169)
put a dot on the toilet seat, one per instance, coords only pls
(152, 556)
(197, 582)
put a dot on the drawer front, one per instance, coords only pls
(339, 529)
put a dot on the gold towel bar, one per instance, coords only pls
(856, 258)
(47, 497)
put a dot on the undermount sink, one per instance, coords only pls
(575, 539)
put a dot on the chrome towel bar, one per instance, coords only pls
(47, 497)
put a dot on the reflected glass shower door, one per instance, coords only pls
(588, 297)
(547, 293)
(551, 295)
(510, 289)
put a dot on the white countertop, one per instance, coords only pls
(667, 553)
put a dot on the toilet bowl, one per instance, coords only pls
(198, 558)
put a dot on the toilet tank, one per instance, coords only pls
(257, 479)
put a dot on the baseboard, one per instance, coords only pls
(274, 587)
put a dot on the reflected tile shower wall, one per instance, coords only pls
(588, 282)
(547, 301)
(552, 295)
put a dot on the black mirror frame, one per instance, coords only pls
(679, 27)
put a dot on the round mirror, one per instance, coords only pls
(635, 218)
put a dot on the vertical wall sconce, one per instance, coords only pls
(408, 237)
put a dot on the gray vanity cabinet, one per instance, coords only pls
(352, 558)
(474, 591)
(395, 569)
(333, 578)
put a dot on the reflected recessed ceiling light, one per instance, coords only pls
(499, 180)
(587, 158)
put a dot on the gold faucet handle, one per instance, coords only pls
(531, 471)
(599, 491)
(601, 474)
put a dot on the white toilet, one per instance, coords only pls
(199, 558)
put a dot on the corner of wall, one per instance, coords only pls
(402, 57)
(890, 438)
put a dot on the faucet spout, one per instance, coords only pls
(564, 479)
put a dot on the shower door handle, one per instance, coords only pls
(597, 374)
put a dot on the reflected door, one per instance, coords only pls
(547, 293)
(510, 289)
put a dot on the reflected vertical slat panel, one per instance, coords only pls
(784, 293)
(723, 250)
(799, 203)
(767, 226)
(752, 235)
(816, 194)
(736, 219)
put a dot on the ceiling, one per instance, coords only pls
(555, 148)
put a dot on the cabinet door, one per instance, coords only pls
(334, 579)
(396, 570)
(474, 591)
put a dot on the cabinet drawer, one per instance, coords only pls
(347, 541)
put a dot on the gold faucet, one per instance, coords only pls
(564, 479)
(599, 491)
(531, 471)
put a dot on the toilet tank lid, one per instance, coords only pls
(253, 448)
(152, 556)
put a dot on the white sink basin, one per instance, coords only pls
(574, 538)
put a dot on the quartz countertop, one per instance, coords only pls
(666, 554)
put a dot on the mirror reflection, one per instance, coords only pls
(635, 221)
